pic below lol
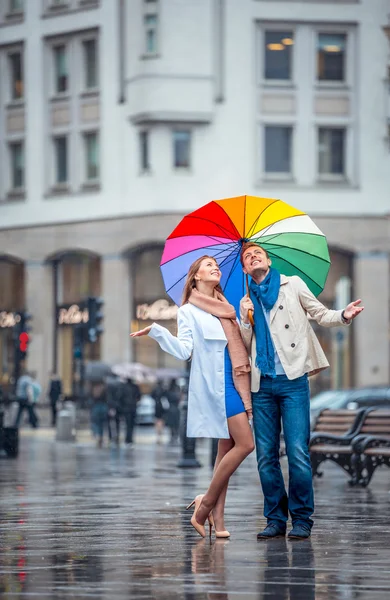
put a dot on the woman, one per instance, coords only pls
(219, 400)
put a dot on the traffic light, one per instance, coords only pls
(95, 313)
(22, 337)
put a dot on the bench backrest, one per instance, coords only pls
(376, 422)
(337, 422)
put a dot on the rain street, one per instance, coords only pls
(81, 522)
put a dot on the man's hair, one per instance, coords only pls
(245, 247)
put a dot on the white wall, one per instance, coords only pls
(225, 151)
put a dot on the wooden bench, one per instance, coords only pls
(332, 438)
(371, 448)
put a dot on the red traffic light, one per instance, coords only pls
(24, 338)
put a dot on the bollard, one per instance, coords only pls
(66, 423)
(188, 458)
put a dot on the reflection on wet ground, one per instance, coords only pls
(77, 522)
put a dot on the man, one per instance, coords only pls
(284, 351)
(131, 395)
(55, 392)
(27, 394)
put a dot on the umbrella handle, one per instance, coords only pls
(250, 312)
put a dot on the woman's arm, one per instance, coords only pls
(181, 346)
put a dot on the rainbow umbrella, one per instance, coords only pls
(294, 243)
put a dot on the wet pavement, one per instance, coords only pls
(81, 522)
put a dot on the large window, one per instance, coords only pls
(90, 50)
(16, 74)
(61, 159)
(17, 165)
(61, 82)
(277, 149)
(16, 6)
(278, 55)
(181, 149)
(331, 152)
(151, 26)
(331, 53)
(92, 162)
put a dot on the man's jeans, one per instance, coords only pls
(285, 400)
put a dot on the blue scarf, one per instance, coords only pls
(266, 293)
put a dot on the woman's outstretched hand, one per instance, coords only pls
(141, 332)
(249, 414)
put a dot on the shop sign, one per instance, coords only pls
(72, 315)
(160, 310)
(8, 319)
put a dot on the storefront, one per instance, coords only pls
(11, 303)
(336, 342)
(150, 304)
(76, 277)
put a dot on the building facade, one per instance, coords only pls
(119, 116)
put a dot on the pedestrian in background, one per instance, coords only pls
(219, 399)
(131, 395)
(159, 396)
(28, 391)
(114, 414)
(99, 412)
(172, 419)
(55, 393)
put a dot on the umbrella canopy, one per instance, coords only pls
(166, 373)
(96, 371)
(136, 371)
(294, 243)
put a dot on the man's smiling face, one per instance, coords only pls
(255, 261)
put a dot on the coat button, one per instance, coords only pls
(287, 326)
(293, 345)
(281, 307)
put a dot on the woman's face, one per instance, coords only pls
(208, 272)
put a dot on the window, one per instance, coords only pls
(90, 64)
(331, 56)
(277, 149)
(278, 54)
(17, 165)
(144, 150)
(61, 159)
(16, 74)
(16, 6)
(92, 170)
(61, 69)
(151, 26)
(181, 149)
(331, 151)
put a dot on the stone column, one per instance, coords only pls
(371, 328)
(115, 293)
(40, 304)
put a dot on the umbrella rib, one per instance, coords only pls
(185, 274)
(193, 250)
(297, 249)
(259, 215)
(228, 233)
(284, 218)
(298, 269)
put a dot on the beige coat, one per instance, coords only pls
(295, 341)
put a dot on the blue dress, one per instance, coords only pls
(234, 404)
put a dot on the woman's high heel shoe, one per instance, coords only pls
(199, 528)
(218, 534)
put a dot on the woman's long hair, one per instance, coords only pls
(190, 283)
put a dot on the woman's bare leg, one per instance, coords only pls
(224, 446)
(241, 434)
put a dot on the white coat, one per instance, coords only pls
(201, 336)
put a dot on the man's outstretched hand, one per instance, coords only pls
(353, 310)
